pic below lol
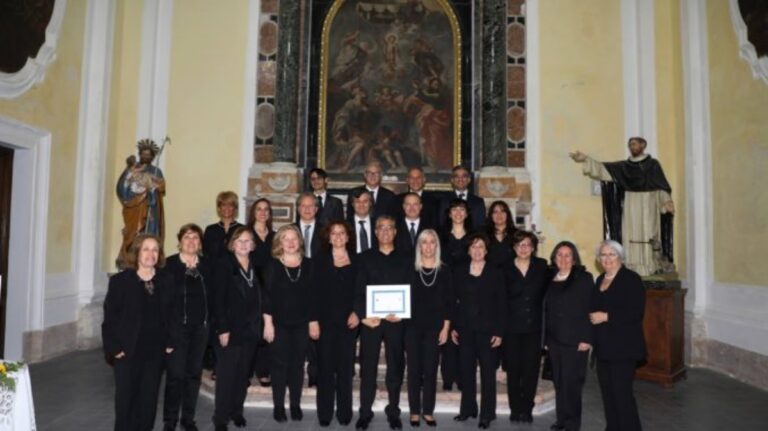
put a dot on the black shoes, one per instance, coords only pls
(189, 426)
(395, 423)
(462, 417)
(221, 428)
(430, 422)
(296, 413)
(526, 418)
(557, 426)
(239, 421)
(279, 415)
(415, 422)
(484, 424)
(362, 424)
(169, 427)
(325, 424)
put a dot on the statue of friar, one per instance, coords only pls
(637, 207)
(141, 188)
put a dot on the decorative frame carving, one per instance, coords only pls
(15, 84)
(747, 50)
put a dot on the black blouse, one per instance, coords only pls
(431, 298)
(525, 296)
(453, 250)
(335, 289)
(500, 253)
(480, 304)
(193, 287)
(289, 293)
(215, 239)
(238, 300)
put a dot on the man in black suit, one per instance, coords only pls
(308, 224)
(416, 181)
(460, 179)
(362, 221)
(411, 224)
(382, 198)
(329, 207)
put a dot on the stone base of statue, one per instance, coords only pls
(663, 327)
(511, 185)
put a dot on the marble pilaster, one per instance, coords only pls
(288, 76)
(494, 95)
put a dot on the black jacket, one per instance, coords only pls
(385, 204)
(238, 305)
(333, 209)
(123, 312)
(492, 309)
(178, 269)
(567, 306)
(525, 296)
(314, 242)
(476, 210)
(215, 239)
(621, 337)
(289, 302)
(403, 237)
(334, 290)
(429, 207)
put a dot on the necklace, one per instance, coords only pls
(610, 277)
(561, 277)
(432, 274)
(248, 278)
(288, 274)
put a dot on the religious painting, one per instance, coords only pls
(390, 86)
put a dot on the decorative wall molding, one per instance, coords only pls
(747, 51)
(639, 71)
(154, 70)
(15, 84)
(249, 100)
(29, 221)
(533, 106)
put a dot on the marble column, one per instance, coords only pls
(494, 61)
(287, 97)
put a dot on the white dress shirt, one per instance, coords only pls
(308, 237)
(368, 231)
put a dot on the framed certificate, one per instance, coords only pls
(384, 299)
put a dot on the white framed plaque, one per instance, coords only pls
(382, 300)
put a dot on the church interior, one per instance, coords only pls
(250, 95)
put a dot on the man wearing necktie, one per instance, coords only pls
(416, 181)
(382, 199)
(329, 207)
(308, 224)
(460, 180)
(362, 221)
(411, 224)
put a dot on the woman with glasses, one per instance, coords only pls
(192, 284)
(239, 322)
(617, 316)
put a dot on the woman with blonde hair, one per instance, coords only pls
(217, 235)
(289, 317)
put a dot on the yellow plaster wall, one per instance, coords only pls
(53, 105)
(582, 107)
(738, 113)
(670, 114)
(205, 111)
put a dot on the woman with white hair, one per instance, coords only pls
(617, 316)
(427, 329)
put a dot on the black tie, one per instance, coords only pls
(320, 201)
(363, 237)
(413, 233)
(461, 196)
(373, 197)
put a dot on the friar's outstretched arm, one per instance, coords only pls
(592, 168)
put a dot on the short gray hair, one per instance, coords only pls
(618, 248)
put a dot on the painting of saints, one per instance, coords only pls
(429, 106)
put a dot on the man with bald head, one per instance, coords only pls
(416, 180)
(383, 199)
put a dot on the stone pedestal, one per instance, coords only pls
(663, 327)
(281, 183)
(511, 185)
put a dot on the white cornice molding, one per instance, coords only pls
(15, 84)
(155, 70)
(747, 51)
(639, 71)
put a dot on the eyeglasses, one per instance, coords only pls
(607, 255)
(244, 241)
(385, 228)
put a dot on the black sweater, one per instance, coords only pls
(379, 268)
(335, 289)
(480, 304)
(525, 296)
(290, 302)
(621, 337)
(431, 305)
(567, 306)
(238, 304)
(194, 291)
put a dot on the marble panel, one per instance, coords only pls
(516, 158)
(516, 82)
(265, 120)
(268, 38)
(269, 6)
(516, 124)
(263, 154)
(515, 40)
(514, 7)
(266, 78)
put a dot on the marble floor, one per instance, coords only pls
(75, 392)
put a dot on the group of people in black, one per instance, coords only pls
(270, 301)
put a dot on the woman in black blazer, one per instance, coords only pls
(290, 318)
(479, 325)
(192, 283)
(260, 222)
(500, 227)
(619, 304)
(335, 274)
(217, 235)
(568, 335)
(239, 321)
(453, 251)
(527, 280)
(138, 332)
(427, 329)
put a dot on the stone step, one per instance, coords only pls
(446, 401)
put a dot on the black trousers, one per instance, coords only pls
(263, 361)
(233, 365)
(474, 348)
(312, 357)
(370, 347)
(336, 357)
(449, 363)
(288, 352)
(616, 379)
(522, 356)
(182, 379)
(137, 384)
(569, 370)
(422, 353)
